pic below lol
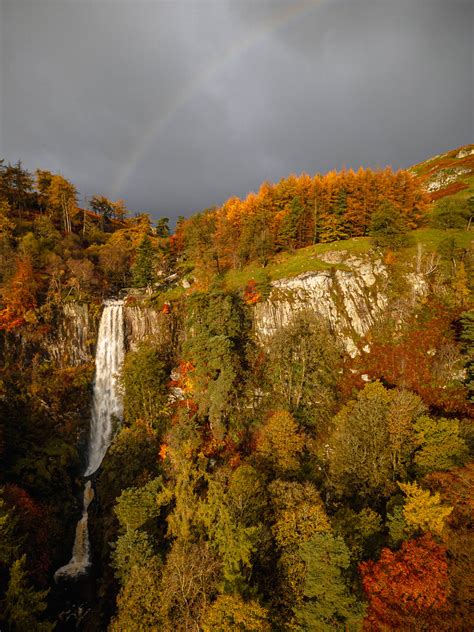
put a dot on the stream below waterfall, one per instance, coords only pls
(106, 411)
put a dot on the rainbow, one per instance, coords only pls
(236, 49)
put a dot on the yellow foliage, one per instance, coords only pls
(424, 510)
(231, 612)
(6, 224)
(299, 513)
(461, 285)
(279, 441)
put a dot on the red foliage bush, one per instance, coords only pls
(406, 589)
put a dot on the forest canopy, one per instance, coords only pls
(258, 480)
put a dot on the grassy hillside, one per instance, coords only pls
(447, 175)
(450, 174)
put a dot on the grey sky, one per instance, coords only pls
(175, 106)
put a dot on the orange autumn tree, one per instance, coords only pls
(407, 589)
(455, 488)
(19, 297)
(295, 212)
(251, 293)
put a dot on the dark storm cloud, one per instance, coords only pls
(177, 105)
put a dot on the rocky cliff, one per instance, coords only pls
(351, 295)
(73, 340)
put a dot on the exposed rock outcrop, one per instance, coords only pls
(351, 296)
(74, 338)
(141, 323)
(144, 323)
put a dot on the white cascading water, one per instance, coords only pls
(106, 406)
(106, 403)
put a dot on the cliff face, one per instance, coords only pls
(351, 297)
(142, 323)
(73, 340)
(146, 323)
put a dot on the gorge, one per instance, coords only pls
(106, 410)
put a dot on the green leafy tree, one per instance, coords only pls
(138, 505)
(298, 514)
(372, 441)
(133, 549)
(217, 350)
(137, 446)
(359, 456)
(327, 603)
(451, 252)
(467, 341)
(188, 475)
(398, 529)
(362, 531)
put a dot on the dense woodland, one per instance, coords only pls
(284, 486)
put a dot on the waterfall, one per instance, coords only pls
(106, 406)
(106, 402)
(80, 560)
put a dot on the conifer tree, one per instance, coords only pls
(23, 607)
(388, 229)
(8, 540)
(142, 271)
(293, 225)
